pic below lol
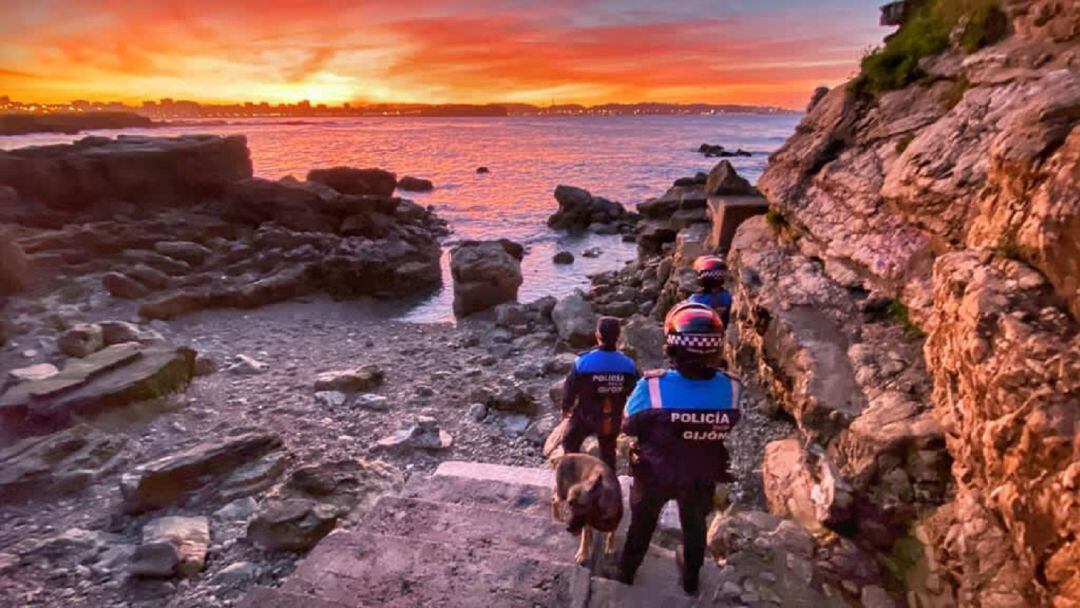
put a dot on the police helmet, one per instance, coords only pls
(711, 268)
(695, 329)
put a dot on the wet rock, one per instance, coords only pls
(110, 378)
(563, 257)
(294, 524)
(200, 470)
(483, 170)
(591, 252)
(122, 286)
(355, 380)
(415, 184)
(41, 371)
(423, 434)
(14, 266)
(243, 365)
(485, 274)
(578, 208)
(172, 546)
(42, 468)
(151, 170)
(192, 253)
(82, 340)
(349, 180)
(575, 321)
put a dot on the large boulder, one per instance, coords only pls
(350, 180)
(486, 273)
(176, 478)
(575, 321)
(14, 266)
(415, 184)
(165, 170)
(578, 209)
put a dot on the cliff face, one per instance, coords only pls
(941, 219)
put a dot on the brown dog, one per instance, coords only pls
(591, 490)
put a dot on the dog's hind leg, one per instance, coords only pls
(555, 502)
(582, 555)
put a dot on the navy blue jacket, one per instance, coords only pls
(597, 387)
(720, 301)
(680, 425)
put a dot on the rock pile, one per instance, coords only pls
(579, 211)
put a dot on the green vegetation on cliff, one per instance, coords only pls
(926, 33)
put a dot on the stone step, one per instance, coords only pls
(472, 526)
(520, 488)
(361, 569)
(265, 597)
(485, 493)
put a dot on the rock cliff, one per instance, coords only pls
(911, 300)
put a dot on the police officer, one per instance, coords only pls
(596, 390)
(679, 418)
(712, 271)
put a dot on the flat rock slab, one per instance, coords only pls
(57, 464)
(175, 478)
(484, 493)
(473, 527)
(113, 377)
(360, 569)
(606, 593)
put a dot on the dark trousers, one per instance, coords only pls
(576, 432)
(646, 501)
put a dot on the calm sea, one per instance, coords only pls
(624, 158)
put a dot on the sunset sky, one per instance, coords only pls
(437, 51)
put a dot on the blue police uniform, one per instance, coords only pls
(593, 398)
(720, 301)
(680, 424)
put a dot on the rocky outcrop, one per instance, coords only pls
(486, 273)
(171, 546)
(1006, 366)
(349, 180)
(947, 208)
(109, 378)
(133, 169)
(409, 183)
(854, 384)
(579, 211)
(575, 321)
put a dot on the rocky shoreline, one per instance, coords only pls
(207, 371)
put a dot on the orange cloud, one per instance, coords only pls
(585, 51)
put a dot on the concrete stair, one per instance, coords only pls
(471, 535)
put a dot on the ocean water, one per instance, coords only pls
(624, 158)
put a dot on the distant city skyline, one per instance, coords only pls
(755, 52)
